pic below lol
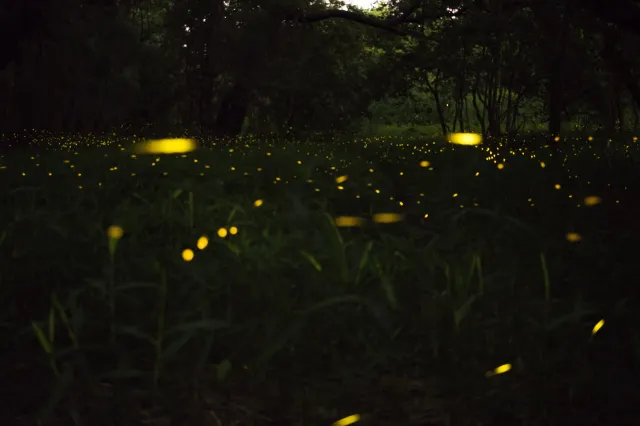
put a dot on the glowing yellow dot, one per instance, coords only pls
(542, 164)
(341, 179)
(465, 138)
(187, 255)
(166, 146)
(222, 232)
(590, 138)
(597, 327)
(573, 237)
(114, 232)
(257, 203)
(500, 166)
(499, 370)
(557, 186)
(387, 217)
(233, 230)
(592, 200)
(424, 164)
(349, 420)
(203, 242)
(635, 139)
(556, 139)
(349, 221)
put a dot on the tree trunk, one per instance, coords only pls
(233, 110)
(619, 109)
(621, 66)
(479, 116)
(436, 96)
(555, 103)
(636, 116)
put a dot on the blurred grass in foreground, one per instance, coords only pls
(399, 279)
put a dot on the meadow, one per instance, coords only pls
(383, 281)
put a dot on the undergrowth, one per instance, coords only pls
(257, 282)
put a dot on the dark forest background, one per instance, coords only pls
(298, 67)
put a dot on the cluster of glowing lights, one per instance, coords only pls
(203, 242)
(354, 221)
(182, 146)
(115, 233)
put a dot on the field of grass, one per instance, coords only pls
(261, 282)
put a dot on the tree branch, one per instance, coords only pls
(383, 24)
(389, 24)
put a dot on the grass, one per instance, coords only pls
(220, 287)
(392, 130)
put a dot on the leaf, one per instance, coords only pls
(134, 332)
(60, 390)
(333, 301)
(364, 260)
(460, 313)
(232, 214)
(200, 325)
(205, 352)
(139, 197)
(222, 370)
(389, 291)
(176, 193)
(97, 284)
(339, 249)
(65, 318)
(42, 338)
(174, 347)
(234, 248)
(312, 260)
(133, 285)
(378, 312)
(52, 324)
(278, 343)
(571, 317)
